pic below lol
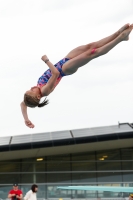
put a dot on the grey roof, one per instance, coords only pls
(95, 134)
(102, 130)
(4, 140)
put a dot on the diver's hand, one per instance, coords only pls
(29, 124)
(44, 58)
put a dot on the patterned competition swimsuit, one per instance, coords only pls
(47, 74)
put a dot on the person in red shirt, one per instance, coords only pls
(15, 193)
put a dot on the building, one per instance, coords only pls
(90, 156)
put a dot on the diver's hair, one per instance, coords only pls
(44, 103)
(33, 187)
(34, 102)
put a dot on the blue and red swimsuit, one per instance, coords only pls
(47, 74)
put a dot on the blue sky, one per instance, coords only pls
(99, 94)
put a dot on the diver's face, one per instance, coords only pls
(35, 92)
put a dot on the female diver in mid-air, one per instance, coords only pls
(67, 66)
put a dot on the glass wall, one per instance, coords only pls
(104, 168)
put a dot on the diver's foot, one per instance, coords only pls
(123, 28)
(124, 36)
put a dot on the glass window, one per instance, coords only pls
(10, 178)
(25, 188)
(127, 165)
(84, 166)
(60, 158)
(28, 160)
(27, 178)
(104, 165)
(40, 178)
(10, 166)
(27, 167)
(86, 156)
(91, 194)
(41, 191)
(107, 194)
(58, 177)
(127, 154)
(53, 192)
(83, 177)
(40, 166)
(4, 190)
(79, 194)
(109, 177)
(75, 169)
(58, 166)
(128, 176)
(108, 155)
